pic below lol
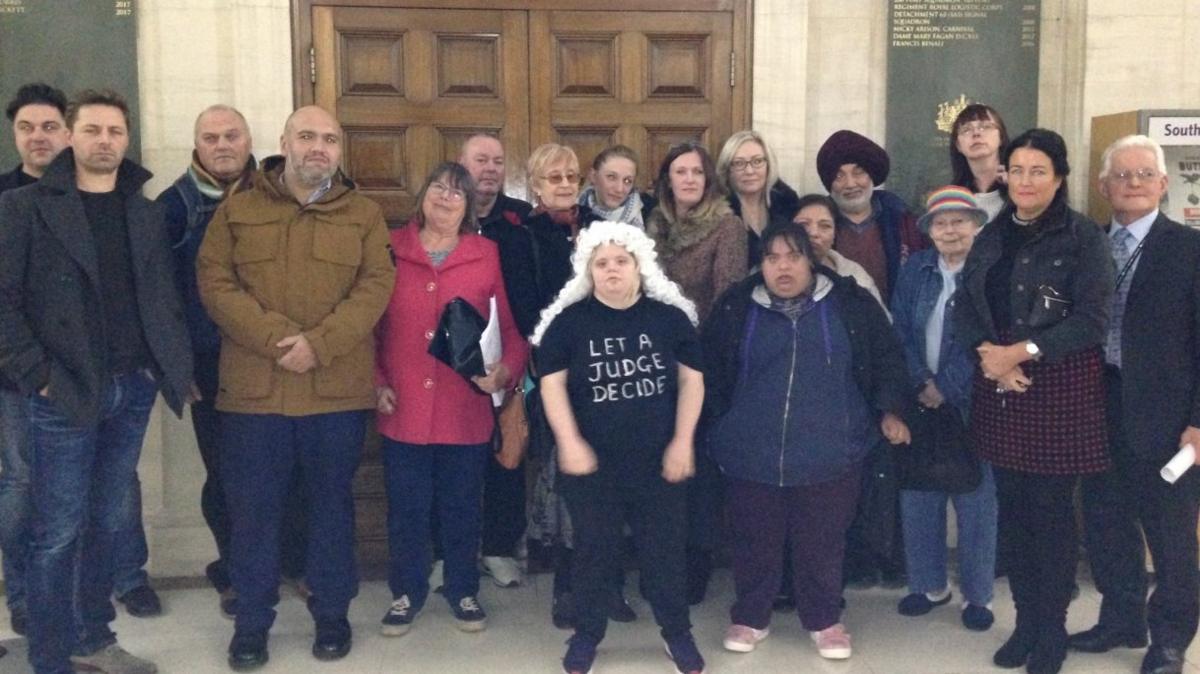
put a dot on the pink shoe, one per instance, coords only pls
(833, 642)
(743, 639)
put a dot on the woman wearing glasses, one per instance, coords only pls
(979, 136)
(437, 426)
(749, 173)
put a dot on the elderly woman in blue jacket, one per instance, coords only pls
(809, 358)
(941, 369)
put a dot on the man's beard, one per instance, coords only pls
(856, 205)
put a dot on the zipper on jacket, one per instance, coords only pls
(787, 401)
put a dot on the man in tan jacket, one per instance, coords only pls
(295, 272)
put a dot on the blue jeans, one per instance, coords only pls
(923, 514)
(80, 478)
(413, 474)
(14, 495)
(259, 454)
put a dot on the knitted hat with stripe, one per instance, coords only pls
(950, 198)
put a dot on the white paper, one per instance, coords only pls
(1179, 464)
(489, 345)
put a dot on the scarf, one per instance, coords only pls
(215, 188)
(629, 212)
(568, 219)
(671, 237)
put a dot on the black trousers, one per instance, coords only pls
(1118, 506)
(206, 422)
(1037, 516)
(503, 508)
(657, 514)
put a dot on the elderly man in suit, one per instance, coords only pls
(1153, 378)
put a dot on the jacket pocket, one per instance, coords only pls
(338, 250)
(245, 374)
(348, 376)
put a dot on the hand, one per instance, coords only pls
(496, 379)
(1014, 380)
(194, 395)
(300, 358)
(895, 430)
(385, 399)
(1191, 435)
(577, 458)
(44, 391)
(997, 360)
(510, 455)
(679, 460)
(930, 396)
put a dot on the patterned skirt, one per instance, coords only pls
(1057, 427)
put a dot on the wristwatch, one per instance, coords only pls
(1033, 350)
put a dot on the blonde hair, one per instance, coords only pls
(725, 160)
(655, 283)
(546, 155)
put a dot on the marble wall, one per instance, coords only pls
(819, 66)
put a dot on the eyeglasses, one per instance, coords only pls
(739, 165)
(977, 127)
(1142, 174)
(444, 190)
(556, 178)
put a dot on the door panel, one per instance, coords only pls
(644, 79)
(408, 85)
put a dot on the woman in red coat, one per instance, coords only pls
(436, 425)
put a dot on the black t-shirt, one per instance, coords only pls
(126, 342)
(622, 379)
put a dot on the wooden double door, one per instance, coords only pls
(410, 83)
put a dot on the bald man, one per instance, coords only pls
(295, 272)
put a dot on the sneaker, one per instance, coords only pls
(562, 612)
(469, 614)
(112, 659)
(581, 653)
(398, 619)
(504, 570)
(977, 618)
(682, 651)
(833, 642)
(619, 609)
(141, 602)
(920, 603)
(743, 639)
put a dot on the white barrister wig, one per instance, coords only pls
(655, 283)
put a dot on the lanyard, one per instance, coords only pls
(1129, 263)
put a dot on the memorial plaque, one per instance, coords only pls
(943, 56)
(72, 45)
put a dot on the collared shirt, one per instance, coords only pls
(1138, 229)
(316, 195)
(935, 327)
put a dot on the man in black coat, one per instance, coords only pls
(1153, 379)
(91, 329)
(38, 115)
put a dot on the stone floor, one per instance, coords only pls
(192, 636)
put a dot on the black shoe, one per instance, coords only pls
(141, 602)
(1163, 660)
(248, 651)
(919, 603)
(1048, 654)
(619, 609)
(1015, 652)
(18, 617)
(333, 640)
(1102, 638)
(563, 611)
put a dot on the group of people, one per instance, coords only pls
(719, 360)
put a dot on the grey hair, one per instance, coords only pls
(725, 159)
(218, 107)
(1126, 142)
(655, 283)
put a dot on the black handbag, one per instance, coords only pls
(940, 457)
(456, 342)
